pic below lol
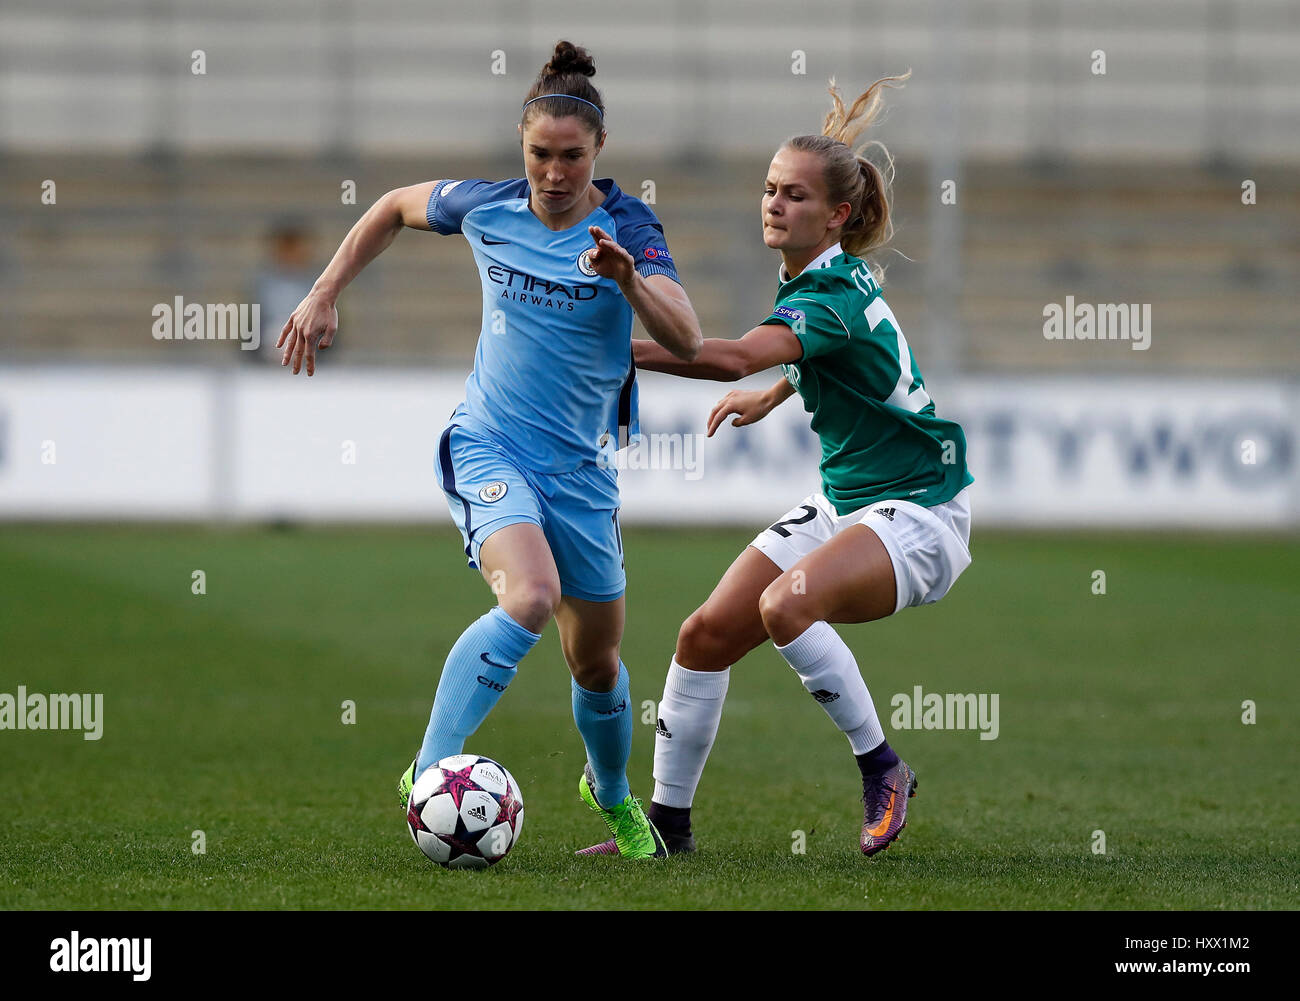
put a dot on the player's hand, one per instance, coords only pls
(609, 259)
(748, 405)
(311, 325)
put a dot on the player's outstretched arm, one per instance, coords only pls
(723, 360)
(316, 319)
(748, 406)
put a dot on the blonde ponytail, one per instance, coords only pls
(849, 175)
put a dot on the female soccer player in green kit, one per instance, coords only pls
(890, 527)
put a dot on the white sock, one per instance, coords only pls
(827, 668)
(688, 721)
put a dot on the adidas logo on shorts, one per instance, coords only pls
(885, 512)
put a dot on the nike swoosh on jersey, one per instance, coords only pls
(492, 243)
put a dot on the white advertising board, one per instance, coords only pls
(250, 444)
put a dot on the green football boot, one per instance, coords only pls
(405, 783)
(634, 836)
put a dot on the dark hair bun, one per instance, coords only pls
(569, 58)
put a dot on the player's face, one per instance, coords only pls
(796, 213)
(559, 160)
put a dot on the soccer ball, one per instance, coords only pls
(465, 812)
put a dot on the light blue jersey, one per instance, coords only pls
(553, 391)
(553, 378)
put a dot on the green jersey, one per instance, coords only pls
(879, 434)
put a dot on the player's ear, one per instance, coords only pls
(841, 215)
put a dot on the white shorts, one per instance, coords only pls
(929, 546)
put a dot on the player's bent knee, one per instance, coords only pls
(692, 641)
(705, 644)
(785, 614)
(699, 644)
(532, 603)
(596, 674)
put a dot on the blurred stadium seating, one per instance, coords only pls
(1119, 187)
(129, 233)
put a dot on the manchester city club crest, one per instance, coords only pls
(584, 263)
(492, 492)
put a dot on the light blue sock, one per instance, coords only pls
(605, 722)
(477, 671)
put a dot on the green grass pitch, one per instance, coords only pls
(1119, 713)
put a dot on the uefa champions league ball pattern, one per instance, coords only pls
(465, 812)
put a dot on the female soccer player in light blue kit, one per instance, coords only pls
(526, 460)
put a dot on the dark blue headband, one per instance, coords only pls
(570, 97)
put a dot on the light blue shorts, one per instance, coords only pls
(488, 489)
